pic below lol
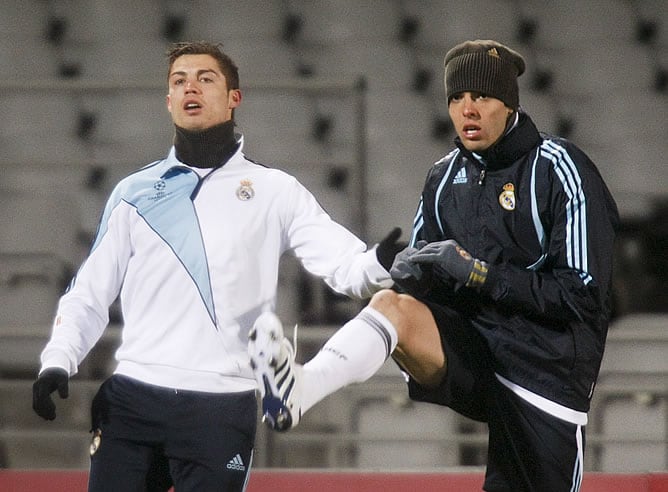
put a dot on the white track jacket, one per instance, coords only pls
(194, 254)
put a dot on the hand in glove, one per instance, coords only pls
(407, 274)
(50, 380)
(455, 261)
(389, 247)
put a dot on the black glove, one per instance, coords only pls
(455, 261)
(49, 381)
(389, 247)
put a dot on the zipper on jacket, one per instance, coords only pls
(200, 182)
(481, 178)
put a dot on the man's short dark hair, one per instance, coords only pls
(227, 66)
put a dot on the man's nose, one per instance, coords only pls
(469, 106)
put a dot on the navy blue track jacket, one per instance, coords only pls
(537, 210)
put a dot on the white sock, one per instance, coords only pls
(353, 354)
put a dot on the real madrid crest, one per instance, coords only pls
(245, 192)
(507, 197)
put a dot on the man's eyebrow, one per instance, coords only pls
(199, 72)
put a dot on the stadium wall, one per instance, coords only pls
(335, 481)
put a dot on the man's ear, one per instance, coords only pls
(234, 98)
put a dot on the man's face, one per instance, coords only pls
(479, 120)
(198, 97)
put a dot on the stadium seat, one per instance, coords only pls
(630, 405)
(38, 247)
(73, 413)
(634, 418)
(90, 21)
(381, 64)
(655, 10)
(132, 127)
(42, 449)
(40, 126)
(260, 60)
(248, 20)
(328, 23)
(399, 436)
(23, 342)
(39, 224)
(542, 109)
(21, 19)
(637, 342)
(266, 112)
(129, 60)
(632, 167)
(618, 115)
(29, 290)
(402, 162)
(398, 113)
(565, 24)
(585, 69)
(442, 24)
(25, 56)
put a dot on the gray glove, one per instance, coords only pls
(455, 261)
(403, 268)
(407, 274)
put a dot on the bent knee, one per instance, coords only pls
(398, 308)
(386, 301)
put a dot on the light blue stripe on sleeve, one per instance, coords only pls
(418, 222)
(441, 185)
(538, 225)
(576, 207)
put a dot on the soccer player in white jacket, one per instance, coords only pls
(192, 244)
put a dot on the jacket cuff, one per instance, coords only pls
(492, 281)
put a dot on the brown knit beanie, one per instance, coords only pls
(484, 66)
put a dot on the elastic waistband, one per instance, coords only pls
(184, 379)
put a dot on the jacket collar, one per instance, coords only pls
(517, 141)
(207, 148)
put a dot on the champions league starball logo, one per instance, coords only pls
(159, 187)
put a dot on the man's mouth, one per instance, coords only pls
(471, 131)
(191, 106)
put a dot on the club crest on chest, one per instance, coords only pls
(507, 197)
(245, 191)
